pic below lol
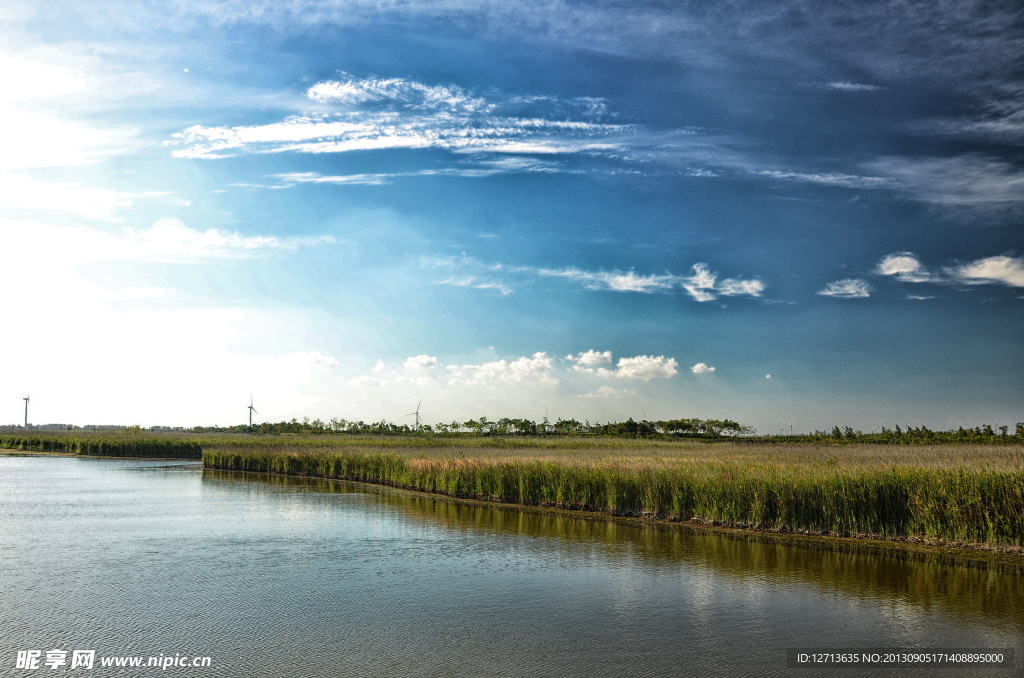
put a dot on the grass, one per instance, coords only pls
(960, 493)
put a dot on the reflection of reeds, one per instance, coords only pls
(758, 486)
(929, 579)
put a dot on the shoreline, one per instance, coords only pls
(959, 554)
(917, 547)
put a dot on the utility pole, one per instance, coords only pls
(26, 410)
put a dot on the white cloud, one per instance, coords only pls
(420, 362)
(828, 179)
(398, 92)
(642, 367)
(1000, 269)
(702, 368)
(379, 366)
(398, 113)
(844, 86)
(848, 288)
(702, 285)
(905, 266)
(731, 287)
(537, 369)
(590, 358)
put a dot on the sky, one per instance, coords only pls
(810, 213)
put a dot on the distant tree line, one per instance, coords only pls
(922, 435)
(506, 426)
(670, 428)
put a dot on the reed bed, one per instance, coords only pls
(106, 445)
(956, 495)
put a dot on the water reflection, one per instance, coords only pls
(899, 580)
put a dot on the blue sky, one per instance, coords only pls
(808, 213)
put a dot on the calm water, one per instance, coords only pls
(291, 577)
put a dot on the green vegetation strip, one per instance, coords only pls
(964, 504)
(121, 445)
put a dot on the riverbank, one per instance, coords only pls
(945, 496)
(936, 496)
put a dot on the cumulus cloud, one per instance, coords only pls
(1002, 269)
(586, 362)
(905, 266)
(848, 288)
(642, 367)
(702, 368)
(536, 368)
(420, 362)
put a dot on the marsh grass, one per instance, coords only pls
(958, 493)
(122, 444)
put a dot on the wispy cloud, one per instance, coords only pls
(848, 288)
(828, 179)
(608, 392)
(375, 114)
(481, 167)
(702, 285)
(972, 180)
(1002, 269)
(905, 267)
(844, 86)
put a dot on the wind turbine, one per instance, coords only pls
(26, 410)
(251, 410)
(417, 413)
(790, 428)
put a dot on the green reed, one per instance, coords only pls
(962, 504)
(106, 444)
